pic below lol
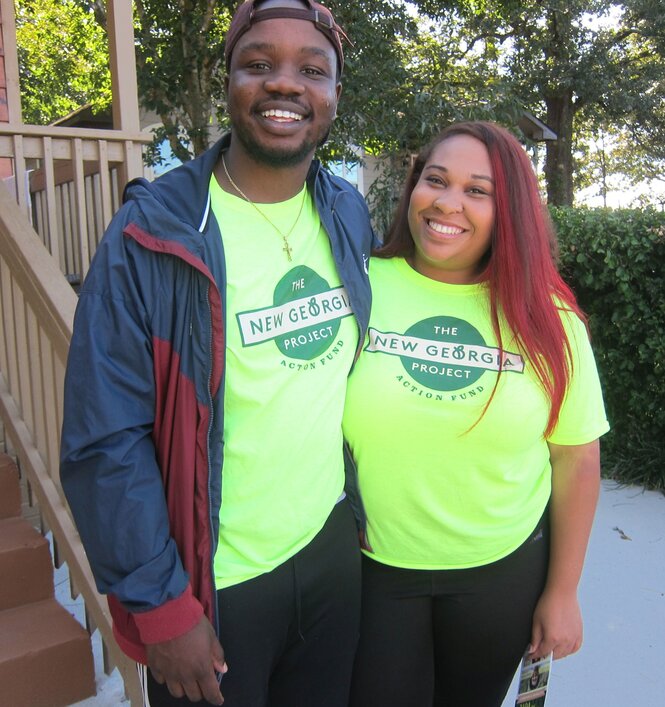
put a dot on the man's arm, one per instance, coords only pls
(110, 474)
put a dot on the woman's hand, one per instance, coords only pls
(557, 625)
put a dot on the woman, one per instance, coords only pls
(473, 417)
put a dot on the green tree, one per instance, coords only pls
(179, 49)
(180, 67)
(585, 66)
(640, 139)
(432, 82)
(582, 64)
(181, 71)
(63, 59)
(596, 163)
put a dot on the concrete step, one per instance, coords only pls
(25, 564)
(10, 491)
(45, 657)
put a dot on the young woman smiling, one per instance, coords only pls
(473, 418)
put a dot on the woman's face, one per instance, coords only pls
(451, 211)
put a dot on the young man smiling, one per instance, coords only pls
(202, 448)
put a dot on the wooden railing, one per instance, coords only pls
(68, 181)
(67, 184)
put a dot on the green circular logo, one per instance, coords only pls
(447, 339)
(310, 340)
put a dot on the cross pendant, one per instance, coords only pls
(287, 250)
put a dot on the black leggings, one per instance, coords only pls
(447, 638)
(290, 635)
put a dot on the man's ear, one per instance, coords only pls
(338, 93)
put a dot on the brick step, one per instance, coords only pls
(10, 491)
(45, 657)
(45, 654)
(25, 564)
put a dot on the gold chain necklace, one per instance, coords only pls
(285, 236)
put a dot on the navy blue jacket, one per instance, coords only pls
(142, 447)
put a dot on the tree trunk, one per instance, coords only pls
(559, 158)
(560, 54)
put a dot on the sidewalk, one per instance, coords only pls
(623, 601)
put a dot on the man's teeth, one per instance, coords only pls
(446, 230)
(281, 115)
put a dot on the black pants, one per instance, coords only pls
(290, 635)
(447, 638)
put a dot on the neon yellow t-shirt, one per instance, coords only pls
(439, 492)
(290, 343)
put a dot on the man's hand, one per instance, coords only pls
(187, 664)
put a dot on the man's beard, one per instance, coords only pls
(275, 156)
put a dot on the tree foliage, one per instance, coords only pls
(581, 64)
(397, 100)
(585, 67)
(179, 49)
(63, 59)
(640, 140)
(180, 66)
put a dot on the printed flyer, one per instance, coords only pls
(534, 677)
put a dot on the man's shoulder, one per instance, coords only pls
(334, 182)
(336, 193)
(182, 191)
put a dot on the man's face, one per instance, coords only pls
(282, 90)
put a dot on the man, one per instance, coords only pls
(201, 448)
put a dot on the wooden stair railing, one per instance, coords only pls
(36, 314)
(68, 181)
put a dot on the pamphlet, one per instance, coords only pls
(534, 677)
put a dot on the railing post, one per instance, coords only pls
(120, 29)
(10, 61)
(10, 94)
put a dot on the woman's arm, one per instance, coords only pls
(557, 621)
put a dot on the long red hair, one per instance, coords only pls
(524, 284)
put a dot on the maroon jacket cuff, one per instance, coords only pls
(169, 620)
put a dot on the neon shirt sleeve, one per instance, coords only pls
(582, 418)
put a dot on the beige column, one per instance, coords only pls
(10, 95)
(120, 30)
